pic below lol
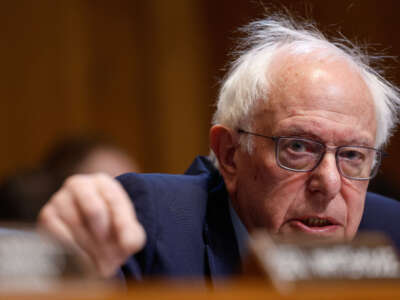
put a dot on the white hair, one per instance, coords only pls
(247, 78)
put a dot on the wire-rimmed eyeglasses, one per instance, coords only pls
(304, 155)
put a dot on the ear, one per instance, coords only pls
(223, 142)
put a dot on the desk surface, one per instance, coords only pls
(238, 289)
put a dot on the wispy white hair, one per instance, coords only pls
(247, 79)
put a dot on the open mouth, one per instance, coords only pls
(316, 222)
(315, 225)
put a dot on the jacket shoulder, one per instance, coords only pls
(376, 204)
(172, 210)
(166, 194)
(382, 214)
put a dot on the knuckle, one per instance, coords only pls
(102, 176)
(74, 181)
(57, 198)
(45, 215)
(47, 223)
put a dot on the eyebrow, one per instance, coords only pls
(304, 133)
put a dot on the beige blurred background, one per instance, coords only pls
(145, 72)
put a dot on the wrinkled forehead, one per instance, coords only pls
(317, 83)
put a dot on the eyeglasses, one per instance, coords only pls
(304, 155)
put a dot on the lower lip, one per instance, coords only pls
(313, 230)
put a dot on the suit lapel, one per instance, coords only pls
(221, 246)
(222, 257)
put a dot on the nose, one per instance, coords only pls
(325, 181)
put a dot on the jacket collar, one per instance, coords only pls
(221, 247)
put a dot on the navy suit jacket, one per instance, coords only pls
(189, 228)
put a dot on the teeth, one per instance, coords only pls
(316, 222)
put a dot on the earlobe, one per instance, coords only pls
(224, 144)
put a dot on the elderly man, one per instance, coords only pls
(297, 134)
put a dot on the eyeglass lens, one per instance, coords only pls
(304, 155)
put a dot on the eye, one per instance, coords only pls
(352, 155)
(300, 147)
(297, 146)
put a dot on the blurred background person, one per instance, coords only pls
(24, 193)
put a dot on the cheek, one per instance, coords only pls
(273, 192)
(285, 195)
(354, 195)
